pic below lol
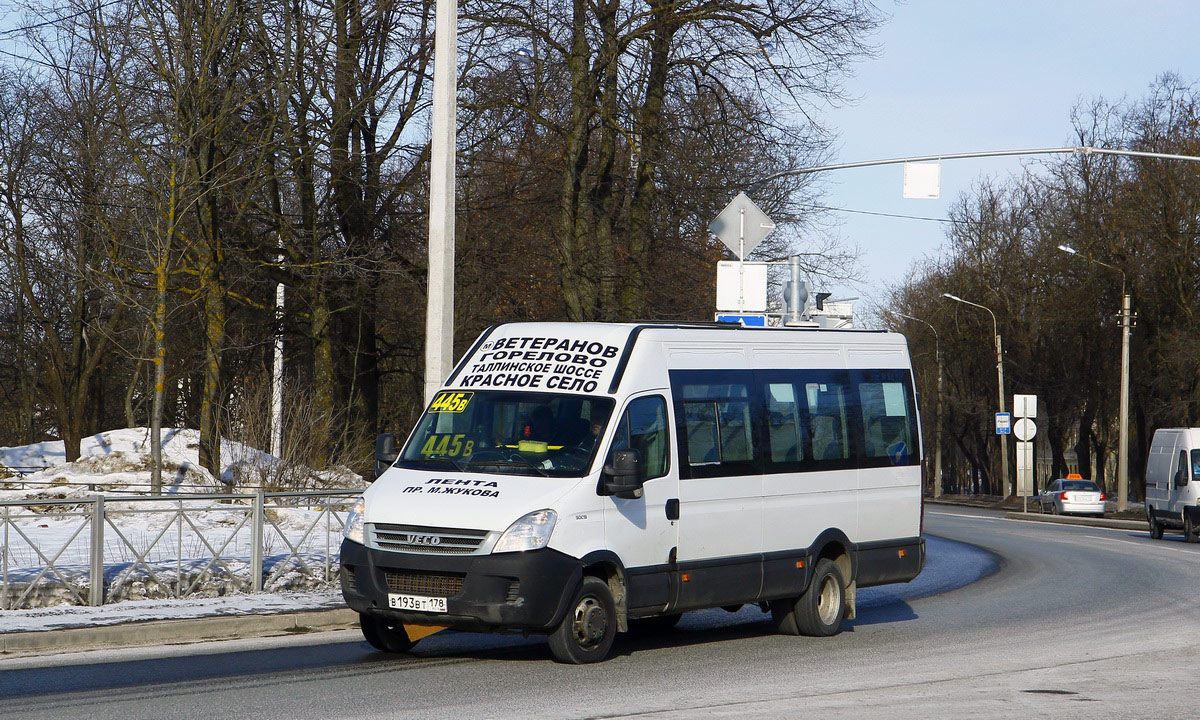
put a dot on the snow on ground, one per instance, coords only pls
(62, 617)
(121, 459)
(166, 547)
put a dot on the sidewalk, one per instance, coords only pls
(148, 622)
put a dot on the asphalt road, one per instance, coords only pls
(1042, 620)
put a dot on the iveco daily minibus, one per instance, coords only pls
(580, 480)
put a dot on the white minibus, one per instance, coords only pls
(582, 479)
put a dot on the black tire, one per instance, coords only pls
(654, 625)
(1156, 528)
(384, 635)
(1190, 532)
(819, 611)
(587, 632)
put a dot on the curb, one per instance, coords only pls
(1089, 522)
(176, 631)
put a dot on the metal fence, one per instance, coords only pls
(97, 550)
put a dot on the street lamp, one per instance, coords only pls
(1126, 318)
(1000, 384)
(439, 311)
(937, 433)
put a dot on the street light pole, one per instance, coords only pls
(937, 430)
(1000, 386)
(1126, 319)
(439, 313)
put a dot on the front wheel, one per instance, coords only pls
(1190, 533)
(1156, 528)
(587, 632)
(818, 612)
(384, 635)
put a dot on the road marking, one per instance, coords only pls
(970, 517)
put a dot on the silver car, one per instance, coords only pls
(1072, 497)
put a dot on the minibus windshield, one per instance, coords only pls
(508, 433)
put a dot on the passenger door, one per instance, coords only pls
(638, 530)
(720, 488)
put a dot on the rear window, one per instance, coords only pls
(1084, 485)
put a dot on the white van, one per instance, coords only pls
(1173, 482)
(577, 480)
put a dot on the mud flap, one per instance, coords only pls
(416, 632)
(851, 595)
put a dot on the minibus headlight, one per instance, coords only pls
(531, 532)
(356, 526)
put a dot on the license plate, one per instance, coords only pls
(420, 603)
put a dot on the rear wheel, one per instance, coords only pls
(1156, 529)
(818, 612)
(384, 635)
(1190, 533)
(587, 632)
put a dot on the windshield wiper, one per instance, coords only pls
(513, 459)
(427, 460)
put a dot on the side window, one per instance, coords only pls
(720, 423)
(643, 427)
(827, 405)
(785, 430)
(887, 420)
(717, 418)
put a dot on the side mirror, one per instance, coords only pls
(623, 475)
(1181, 477)
(385, 452)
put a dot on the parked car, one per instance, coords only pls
(1069, 496)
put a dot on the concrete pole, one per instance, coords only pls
(937, 432)
(1008, 490)
(1123, 441)
(439, 316)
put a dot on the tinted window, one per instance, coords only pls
(827, 404)
(718, 411)
(888, 419)
(718, 422)
(786, 437)
(738, 422)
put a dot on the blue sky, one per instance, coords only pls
(972, 76)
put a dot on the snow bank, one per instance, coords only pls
(121, 460)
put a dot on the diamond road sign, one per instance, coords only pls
(741, 226)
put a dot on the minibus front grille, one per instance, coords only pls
(444, 585)
(420, 539)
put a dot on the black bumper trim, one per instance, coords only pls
(523, 590)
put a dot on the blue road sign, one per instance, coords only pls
(749, 320)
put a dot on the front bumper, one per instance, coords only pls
(520, 590)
